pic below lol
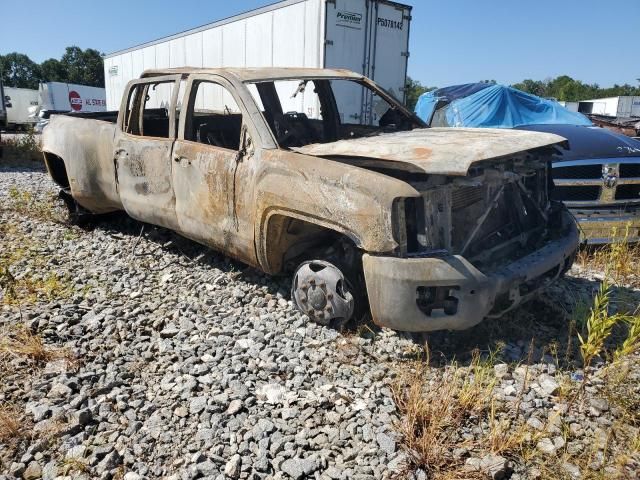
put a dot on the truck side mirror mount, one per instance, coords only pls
(246, 145)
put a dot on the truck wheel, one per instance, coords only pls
(324, 293)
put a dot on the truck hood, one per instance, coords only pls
(445, 151)
(589, 142)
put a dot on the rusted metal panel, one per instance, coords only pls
(143, 170)
(444, 151)
(86, 146)
(214, 200)
(349, 200)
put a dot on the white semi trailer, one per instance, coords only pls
(366, 36)
(70, 97)
(3, 109)
(19, 103)
(621, 107)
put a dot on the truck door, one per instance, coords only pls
(212, 169)
(143, 147)
(347, 29)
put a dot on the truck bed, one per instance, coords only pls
(155, 120)
(110, 116)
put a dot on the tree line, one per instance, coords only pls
(84, 67)
(562, 88)
(570, 90)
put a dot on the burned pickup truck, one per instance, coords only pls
(431, 228)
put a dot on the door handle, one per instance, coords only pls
(183, 161)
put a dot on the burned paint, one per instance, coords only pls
(442, 151)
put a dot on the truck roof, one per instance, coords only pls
(259, 73)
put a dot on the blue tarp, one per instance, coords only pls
(496, 106)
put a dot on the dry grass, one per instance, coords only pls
(435, 408)
(23, 147)
(23, 202)
(19, 252)
(619, 259)
(29, 289)
(20, 342)
(436, 405)
(69, 466)
(11, 425)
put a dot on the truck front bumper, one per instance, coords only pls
(597, 227)
(393, 283)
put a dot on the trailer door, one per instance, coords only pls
(346, 47)
(390, 47)
(635, 106)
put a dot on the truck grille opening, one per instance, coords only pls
(486, 217)
(577, 193)
(629, 170)
(628, 192)
(465, 197)
(509, 216)
(578, 171)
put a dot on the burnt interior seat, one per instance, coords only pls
(156, 123)
(218, 130)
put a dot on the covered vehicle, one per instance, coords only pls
(596, 173)
(433, 228)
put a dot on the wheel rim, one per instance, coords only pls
(321, 291)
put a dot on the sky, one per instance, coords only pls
(452, 41)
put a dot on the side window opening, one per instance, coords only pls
(148, 107)
(294, 110)
(320, 110)
(214, 117)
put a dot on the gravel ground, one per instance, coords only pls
(190, 365)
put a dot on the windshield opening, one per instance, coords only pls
(305, 111)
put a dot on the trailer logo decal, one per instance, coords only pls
(394, 24)
(349, 19)
(75, 100)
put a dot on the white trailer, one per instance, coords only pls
(69, 97)
(367, 36)
(18, 102)
(571, 106)
(3, 110)
(621, 107)
(3, 116)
